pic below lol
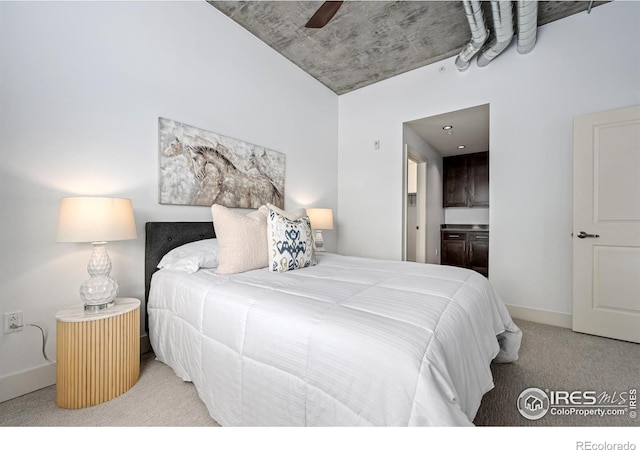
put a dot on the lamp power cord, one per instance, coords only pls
(44, 337)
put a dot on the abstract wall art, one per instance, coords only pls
(199, 167)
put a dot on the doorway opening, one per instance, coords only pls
(415, 206)
(461, 135)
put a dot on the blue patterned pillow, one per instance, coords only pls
(290, 242)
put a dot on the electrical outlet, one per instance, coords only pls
(12, 322)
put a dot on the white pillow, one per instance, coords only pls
(242, 239)
(192, 256)
(290, 242)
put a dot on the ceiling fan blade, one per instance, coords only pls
(323, 15)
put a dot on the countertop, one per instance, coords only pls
(79, 314)
(464, 227)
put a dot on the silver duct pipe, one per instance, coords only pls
(503, 27)
(479, 34)
(527, 13)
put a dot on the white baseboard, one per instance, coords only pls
(541, 316)
(21, 383)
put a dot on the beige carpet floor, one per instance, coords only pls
(550, 358)
(558, 359)
(158, 399)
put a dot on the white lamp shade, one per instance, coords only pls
(321, 218)
(95, 219)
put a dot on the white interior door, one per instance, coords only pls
(606, 224)
(411, 227)
(421, 203)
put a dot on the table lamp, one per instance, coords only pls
(321, 219)
(97, 220)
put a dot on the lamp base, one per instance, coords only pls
(318, 242)
(94, 308)
(100, 290)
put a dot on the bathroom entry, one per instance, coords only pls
(415, 207)
(435, 138)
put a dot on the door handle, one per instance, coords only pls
(583, 235)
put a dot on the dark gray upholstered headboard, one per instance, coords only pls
(160, 237)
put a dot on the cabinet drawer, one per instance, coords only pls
(454, 236)
(479, 236)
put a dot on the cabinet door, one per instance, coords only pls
(479, 179)
(479, 253)
(454, 249)
(455, 181)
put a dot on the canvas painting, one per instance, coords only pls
(199, 167)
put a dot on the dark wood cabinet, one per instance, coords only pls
(468, 249)
(478, 164)
(466, 180)
(454, 249)
(455, 181)
(478, 258)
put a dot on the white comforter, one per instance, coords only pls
(351, 341)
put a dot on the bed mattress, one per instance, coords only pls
(351, 341)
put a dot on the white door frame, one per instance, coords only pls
(421, 204)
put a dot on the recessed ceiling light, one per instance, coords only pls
(447, 127)
(461, 146)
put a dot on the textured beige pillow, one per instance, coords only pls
(242, 239)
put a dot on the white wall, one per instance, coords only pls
(581, 64)
(466, 216)
(82, 87)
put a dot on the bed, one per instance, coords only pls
(347, 342)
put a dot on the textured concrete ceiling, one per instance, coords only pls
(369, 41)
